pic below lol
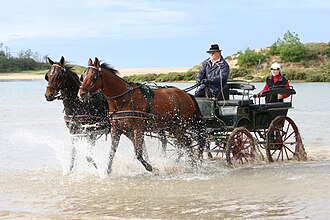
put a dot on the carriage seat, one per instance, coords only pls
(240, 88)
(274, 105)
(235, 102)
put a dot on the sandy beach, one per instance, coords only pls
(122, 71)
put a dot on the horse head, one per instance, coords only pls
(91, 79)
(58, 79)
(101, 77)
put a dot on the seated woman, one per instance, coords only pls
(273, 81)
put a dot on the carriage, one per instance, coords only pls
(243, 127)
(237, 129)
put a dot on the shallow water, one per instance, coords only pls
(35, 146)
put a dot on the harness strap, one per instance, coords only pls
(132, 114)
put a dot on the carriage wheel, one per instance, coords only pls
(283, 141)
(240, 147)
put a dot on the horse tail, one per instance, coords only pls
(200, 126)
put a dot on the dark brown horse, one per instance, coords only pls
(80, 118)
(136, 109)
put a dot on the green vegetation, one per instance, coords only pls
(190, 75)
(250, 58)
(290, 49)
(26, 60)
(301, 62)
(304, 62)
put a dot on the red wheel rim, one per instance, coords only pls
(282, 140)
(240, 147)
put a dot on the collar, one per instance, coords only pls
(217, 61)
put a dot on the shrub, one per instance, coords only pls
(248, 77)
(318, 77)
(289, 48)
(250, 58)
(295, 75)
(327, 66)
(238, 72)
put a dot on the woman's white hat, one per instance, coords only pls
(275, 66)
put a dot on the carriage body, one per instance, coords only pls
(238, 126)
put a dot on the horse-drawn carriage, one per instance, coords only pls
(241, 126)
(236, 129)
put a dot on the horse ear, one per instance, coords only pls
(96, 62)
(62, 61)
(50, 61)
(90, 62)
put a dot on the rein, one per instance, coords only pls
(124, 93)
(192, 87)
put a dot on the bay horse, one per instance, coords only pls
(134, 112)
(84, 120)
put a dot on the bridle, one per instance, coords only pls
(58, 85)
(50, 81)
(96, 73)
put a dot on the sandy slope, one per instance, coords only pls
(123, 72)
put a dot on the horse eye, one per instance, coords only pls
(60, 75)
(94, 77)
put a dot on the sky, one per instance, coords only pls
(155, 33)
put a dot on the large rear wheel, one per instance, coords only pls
(283, 141)
(240, 147)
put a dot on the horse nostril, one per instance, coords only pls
(48, 97)
(83, 97)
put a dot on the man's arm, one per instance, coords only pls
(201, 74)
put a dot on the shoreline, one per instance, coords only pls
(122, 72)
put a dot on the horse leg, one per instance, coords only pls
(73, 154)
(203, 143)
(91, 144)
(163, 140)
(184, 143)
(137, 137)
(145, 153)
(199, 125)
(115, 137)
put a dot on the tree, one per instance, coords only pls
(289, 48)
(250, 58)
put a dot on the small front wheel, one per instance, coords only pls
(240, 147)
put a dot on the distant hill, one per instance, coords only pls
(314, 68)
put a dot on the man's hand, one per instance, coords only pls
(205, 81)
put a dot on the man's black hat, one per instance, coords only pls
(214, 48)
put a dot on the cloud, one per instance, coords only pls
(102, 18)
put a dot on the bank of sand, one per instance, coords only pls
(122, 71)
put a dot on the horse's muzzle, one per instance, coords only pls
(84, 97)
(50, 97)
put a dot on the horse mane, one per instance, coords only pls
(70, 70)
(109, 68)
